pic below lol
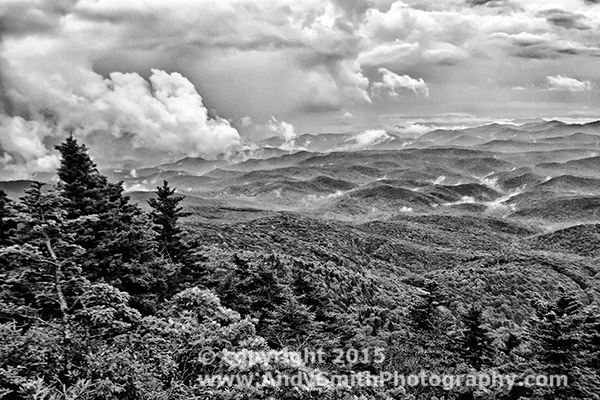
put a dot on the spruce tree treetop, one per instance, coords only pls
(81, 182)
(475, 342)
(166, 212)
(76, 165)
(116, 236)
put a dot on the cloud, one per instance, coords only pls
(445, 53)
(566, 19)
(486, 2)
(224, 48)
(389, 53)
(285, 130)
(245, 121)
(544, 46)
(29, 16)
(163, 114)
(22, 148)
(391, 81)
(565, 84)
(366, 140)
(402, 23)
(415, 130)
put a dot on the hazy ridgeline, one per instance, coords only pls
(460, 251)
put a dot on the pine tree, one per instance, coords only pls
(52, 319)
(7, 223)
(423, 311)
(118, 239)
(592, 325)
(564, 346)
(558, 334)
(81, 182)
(165, 215)
(475, 342)
(42, 256)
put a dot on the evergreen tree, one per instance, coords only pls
(80, 180)
(7, 223)
(513, 341)
(47, 251)
(558, 334)
(118, 239)
(475, 342)
(592, 325)
(52, 319)
(290, 324)
(564, 346)
(423, 311)
(165, 215)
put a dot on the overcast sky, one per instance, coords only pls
(202, 77)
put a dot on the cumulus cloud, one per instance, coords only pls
(390, 82)
(415, 130)
(565, 84)
(22, 148)
(245, 121)
(285, 130)
(366, 140)
(164, 114)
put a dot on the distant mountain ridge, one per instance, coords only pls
(532, 171)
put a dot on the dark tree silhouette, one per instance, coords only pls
(423, 311)
(7, 223)
(166, 212)
(475, 342)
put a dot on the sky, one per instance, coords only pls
(156, 79)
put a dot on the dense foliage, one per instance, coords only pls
(102, 300)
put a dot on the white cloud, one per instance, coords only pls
(565, 84)
(389, 53)
(445, 53)
(164, 113)
(23, 139)
(24, 152)
(415, 130)
(391, 81)
(285, 130)
(245, 122)
(366, 140)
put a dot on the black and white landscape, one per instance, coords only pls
(243, 199)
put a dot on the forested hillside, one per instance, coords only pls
(104, 298)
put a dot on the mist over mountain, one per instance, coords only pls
(490, 170)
